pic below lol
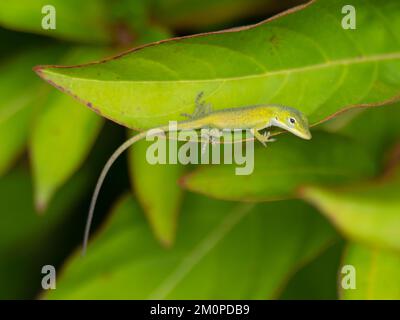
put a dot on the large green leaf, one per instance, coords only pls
(84, 21)
(377, 274)
(61, 137)
(156, 187)
(20, 93)
(284, 166)
(304, 59)
(222, 250)
(367, 213)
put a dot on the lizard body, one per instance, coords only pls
(254, 118)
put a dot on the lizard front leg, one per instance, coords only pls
(263, 138)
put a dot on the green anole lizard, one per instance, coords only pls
(253, 118)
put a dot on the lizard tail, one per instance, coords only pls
(183, 125)
(100, 181)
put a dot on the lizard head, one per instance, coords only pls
(292, 120)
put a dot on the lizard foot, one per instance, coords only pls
(267, 137)
(212, 136)
(263, 138)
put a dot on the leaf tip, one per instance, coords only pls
(192, 181)
(39, 70)
(44, 73)
(166, 242)
(182, 181)
(302, 191)
(42, 200)
(40, 206)
(308, 193)
(185, 180)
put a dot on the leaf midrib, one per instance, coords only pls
(298, 171)
(326, 64)
(200, 251)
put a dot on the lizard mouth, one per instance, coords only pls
(304, 135)
(278, 130)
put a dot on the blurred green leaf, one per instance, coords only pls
(131, 23)
(83, 21)
(27, 240)
(283, 167)
(62, 137)
(377, 274)
(152, 33)
(377, 129)
(20, 94)
(222, 250)
(157, 191)
(12, 42)
(307, 52)
(317, 280)
(367, 213)
(203, 13)
(132, 12)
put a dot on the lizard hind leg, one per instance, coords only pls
(187, 115)
(201, 108)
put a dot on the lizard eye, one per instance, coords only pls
(292, 120)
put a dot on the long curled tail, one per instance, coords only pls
(100, 181)
(184, 125)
